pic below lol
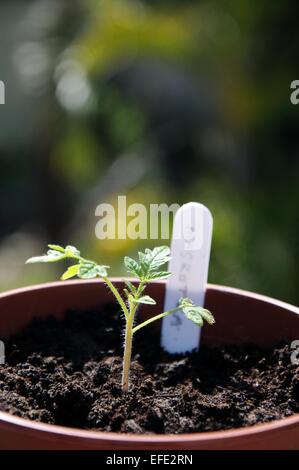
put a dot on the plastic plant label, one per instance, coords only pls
(190, 257)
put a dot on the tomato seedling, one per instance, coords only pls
(146, 269)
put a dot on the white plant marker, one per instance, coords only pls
(189, 265)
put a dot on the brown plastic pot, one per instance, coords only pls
(242, 317)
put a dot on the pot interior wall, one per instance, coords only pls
(240, 317)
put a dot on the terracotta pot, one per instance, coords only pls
(242, 317)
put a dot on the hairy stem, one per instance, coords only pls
(129, 340)
(157, 317)
(127, 352)
(117, 296)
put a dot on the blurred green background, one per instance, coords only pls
(162, 101)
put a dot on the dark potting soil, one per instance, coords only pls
(68, 373)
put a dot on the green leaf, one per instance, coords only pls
(145, 299)
(57, 248)
(102, 270)
(130, 286)
(207, 316)
(185, 302)
(70, 272)
(159, 275)
(144, 263)
(133, 267)
(196, 314)
(51, 257)
(37, 259)
(149, 261)
(127, 293)
(90, 270)
(71, 251)
(56, 253)
(159, 256)
(87, 271)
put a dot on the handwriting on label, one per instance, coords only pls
(190, 252)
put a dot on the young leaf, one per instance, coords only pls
(196, 314)
(145, 299)
(207, 316)
(130, 286)
(102, 270)
(144, 263)
(159, 256)
(159, 275)
(56, 253)
(90, 270)
(127, 293)
(71, 251)
(149, 262)
(37, 259)
(57, 248)
(133, 267)
(70, 272)
(51, 257)
(193, 315)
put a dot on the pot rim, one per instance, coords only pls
(153, 438)
(117, 279)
